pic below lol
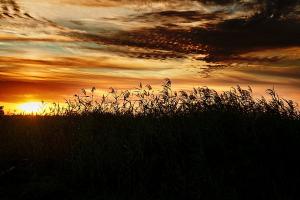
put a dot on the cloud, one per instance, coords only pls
(66, 65)
(116, 3)
(174, 16)
(269, 8)
(264, 8)
(177, 19)
(221, 37)
(277, 8)
(11, 9)
(276, 73)
(145, 43)
(237, 36)
(223, 42)
(19, 25)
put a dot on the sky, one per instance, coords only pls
(50, 49)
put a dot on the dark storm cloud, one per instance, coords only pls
(237, 36)
(277, 8)
(272, 7)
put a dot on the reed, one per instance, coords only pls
(145, 144)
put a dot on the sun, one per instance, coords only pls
(31, 107)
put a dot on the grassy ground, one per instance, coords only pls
(192, 145)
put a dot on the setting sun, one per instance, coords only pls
(31, 107)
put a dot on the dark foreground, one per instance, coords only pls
(223, 152)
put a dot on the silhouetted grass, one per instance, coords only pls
(146, 145)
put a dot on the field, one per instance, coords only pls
(144, 145)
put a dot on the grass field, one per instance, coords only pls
(147, 145)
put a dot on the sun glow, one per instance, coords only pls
(31, 107)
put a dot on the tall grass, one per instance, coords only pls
(144, 101)
(145, 144)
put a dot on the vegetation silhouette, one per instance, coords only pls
(1, 111)
(141, 144)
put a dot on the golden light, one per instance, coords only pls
(31, 107)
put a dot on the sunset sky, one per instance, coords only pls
(50, 49)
